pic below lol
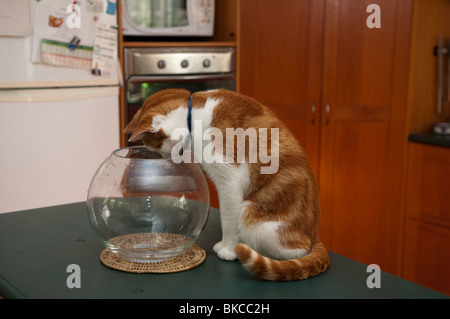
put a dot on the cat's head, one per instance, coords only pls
(160, 114)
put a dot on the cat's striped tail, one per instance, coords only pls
(312, 264)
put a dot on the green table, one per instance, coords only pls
(37, 246)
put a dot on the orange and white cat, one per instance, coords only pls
(269, 221)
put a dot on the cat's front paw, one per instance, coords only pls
(224, 252)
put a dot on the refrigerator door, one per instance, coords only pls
(17, 70)
(52, 142)
(20, 48)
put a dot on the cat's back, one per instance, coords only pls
(235, 110)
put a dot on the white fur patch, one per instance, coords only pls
(176, 118)
(264, 238)
(168, 123)
(251, 260)
(231, 182)
(205, 114)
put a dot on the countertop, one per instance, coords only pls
(37, 246)
(431, 139)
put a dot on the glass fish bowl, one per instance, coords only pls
(146, 208)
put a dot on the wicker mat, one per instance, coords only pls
(189, 259)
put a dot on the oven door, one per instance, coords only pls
(138, 88)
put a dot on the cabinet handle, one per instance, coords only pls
(313, 111)
(327, 113)
(440, 97)
(440, 51)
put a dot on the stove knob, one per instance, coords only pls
(207, 63)
(184, 64)
(161, 64)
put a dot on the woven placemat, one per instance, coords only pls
(189, 259)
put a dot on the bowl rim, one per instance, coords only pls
(128, 155)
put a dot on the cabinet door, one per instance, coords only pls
(362, 134)
(280, 63)
(428, 186)
(426, 255)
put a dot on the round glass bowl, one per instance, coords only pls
(146, 208)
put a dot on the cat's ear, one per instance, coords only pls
(132, 125)
(141, 129)
(138, 126)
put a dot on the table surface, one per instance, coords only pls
(37, 246)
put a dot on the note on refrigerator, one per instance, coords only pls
(15, 18)
(105, 49)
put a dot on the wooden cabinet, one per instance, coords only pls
(426, 257)
(280, 51)
(300, 53)
(364, 87)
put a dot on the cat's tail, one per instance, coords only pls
(312, 264)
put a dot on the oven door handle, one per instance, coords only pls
(180, 77)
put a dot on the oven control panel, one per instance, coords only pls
(173, 61)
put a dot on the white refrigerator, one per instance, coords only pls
(57, 124)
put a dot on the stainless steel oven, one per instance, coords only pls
(149, 70)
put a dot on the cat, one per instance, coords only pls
(269, 221)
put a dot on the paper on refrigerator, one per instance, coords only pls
(65, 31)
(105, 50)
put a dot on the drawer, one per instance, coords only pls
(428, 187)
